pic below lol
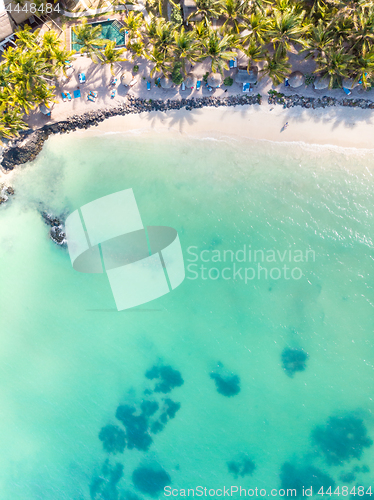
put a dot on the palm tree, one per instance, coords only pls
(26, 39)
(235, 12)
(19, 97)
(319, 38)
(334, 64)
(254, 53)
(219, 49)
(185, 48)
(11, 123)
(110, 55)
(258, 25)
(44, 95)
(88, 37)
(136, 49)
(50, 43)
(32, 70)
(60, 59)
(286, 29)
(133, 24)
(364, 68)
(162, 62)
(277, 68)
(200, 31)
(207, 9)
(363, 34)
(161, 33)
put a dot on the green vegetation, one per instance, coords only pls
(27, 74)
(228, 81)
(177, 75)
(337, 34)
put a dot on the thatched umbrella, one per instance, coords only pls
(215, 80)
(126, 78)
(349, 83)
(296, 79)
(321, 83)
(190, 80)
(46, 110)
(166, 82)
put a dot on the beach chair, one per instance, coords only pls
(93, 93)
(82, 78)
(148, 85)
(77, 93)
(286, 84)
(64, 98)
(91, 98)
(68, 95)
(113, 94)
(347, 91)
(113, 81)
(246, 87)
(210, 88)
(198, 84)
(183, 86)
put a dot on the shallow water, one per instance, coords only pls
(68, 358)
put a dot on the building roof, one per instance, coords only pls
(6, 27)
(244, 76)
(188, 7)
(24, 11)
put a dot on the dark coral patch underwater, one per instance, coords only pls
(304, 477)
(167, 378)
(294, 360)
(150, 481)
(242, 467)
(342, 439)
(227, 384)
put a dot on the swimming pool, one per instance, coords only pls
(110, 31)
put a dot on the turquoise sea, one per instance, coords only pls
(267, 384)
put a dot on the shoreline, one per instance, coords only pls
(327, 122)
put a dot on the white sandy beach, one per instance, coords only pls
(337, 126)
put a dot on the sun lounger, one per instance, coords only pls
(148, 85)
(93, 93)
(286, 84)
(64, 98)
(347, 91)
(113, 93)
(68, 95)
(113, 81)
(68, 64)
(183, 86)
(91, 98)
(77, 93)
(133, 82)
(198, 85)
(246, 87)
(210, 89)
(82, 78)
